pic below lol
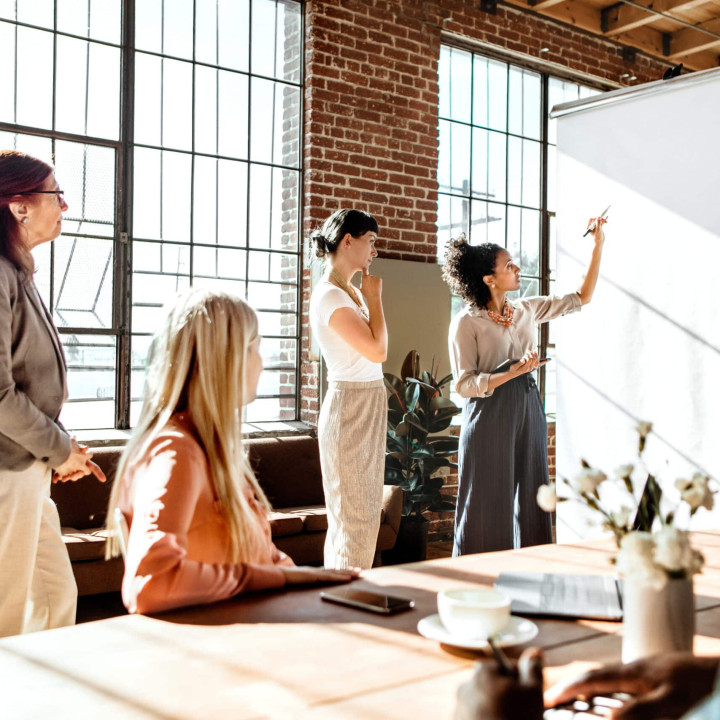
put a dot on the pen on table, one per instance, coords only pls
(506, 667)
(592, 227)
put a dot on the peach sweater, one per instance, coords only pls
(179, 550)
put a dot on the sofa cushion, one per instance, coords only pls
(314, 519)
(288, 469)
(85, 544)
(283, 524)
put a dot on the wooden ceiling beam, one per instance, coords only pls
(645, 39)
(690, 41)
(541, 5)
(621, 18)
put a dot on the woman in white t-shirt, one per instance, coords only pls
(350, 328)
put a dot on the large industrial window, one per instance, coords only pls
(496, 169)
(175, 130)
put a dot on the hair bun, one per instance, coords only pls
(320, 243)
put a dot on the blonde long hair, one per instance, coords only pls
(197, 363)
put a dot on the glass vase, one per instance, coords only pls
(657, 620)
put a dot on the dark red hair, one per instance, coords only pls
(19, 173)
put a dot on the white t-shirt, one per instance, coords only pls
(343, 361)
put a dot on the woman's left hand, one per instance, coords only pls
(597, 233)
(91, 468)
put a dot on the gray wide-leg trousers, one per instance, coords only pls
(502, 461)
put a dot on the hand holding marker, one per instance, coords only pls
(603, 215)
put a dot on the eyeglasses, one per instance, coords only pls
(59, 193)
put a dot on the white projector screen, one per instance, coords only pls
(648, 346)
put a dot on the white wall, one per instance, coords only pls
(648, 346)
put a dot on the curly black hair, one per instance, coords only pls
(466, 265)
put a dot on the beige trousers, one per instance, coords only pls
(37, 587)
(351, 434)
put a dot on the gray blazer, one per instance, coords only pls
(32, 376)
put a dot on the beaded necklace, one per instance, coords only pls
(506, 318)
(351, 290)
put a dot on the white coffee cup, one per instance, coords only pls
(473, 613)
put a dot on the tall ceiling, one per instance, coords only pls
(678, 31)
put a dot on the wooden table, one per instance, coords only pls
(290, 655)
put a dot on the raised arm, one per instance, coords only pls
(370, 338)
(587, 288)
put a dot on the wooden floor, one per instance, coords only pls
(106, 605)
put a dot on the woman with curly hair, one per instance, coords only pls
(503, 441)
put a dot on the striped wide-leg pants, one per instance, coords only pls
(351, 434)
(502, 460)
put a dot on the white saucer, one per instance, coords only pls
(516, 632)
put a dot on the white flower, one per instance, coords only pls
(673, 551)
(624, 471)
(635, 560)
(547, 497)
(695, 492)
(588, 480)
(621, 518)
(644, 428)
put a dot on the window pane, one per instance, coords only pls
(88, 103)
(91, 381)
(453, 219)
(233, 116)
(232, 203)
(148, 25)
(523, 172)
(214, 262)
(272, 296)
(7, 77)
(34, 78)
(36, 12)
(269, 103)
(490, 93)
(488, 165)
(525, 89)
(95, 19)
(222, 33)
(148, 81)
(177, 28)
(276, 323)
(276, 39)
(454, 158)
(177, 104)
(455, 96)
(524, 239)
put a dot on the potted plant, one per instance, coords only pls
(416, 459)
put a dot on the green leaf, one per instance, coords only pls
(412, 419)
(428, 388)
(448, 445)
(444, 381)
(443, 403)
(402, 429)
(412, 393)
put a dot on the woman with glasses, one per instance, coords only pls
(198, 518)
(38, 588)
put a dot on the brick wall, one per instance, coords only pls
(371, 115)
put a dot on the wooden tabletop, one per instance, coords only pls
(290, 655)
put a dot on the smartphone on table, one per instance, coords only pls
(367, 600)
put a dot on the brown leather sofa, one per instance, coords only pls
(288, 469)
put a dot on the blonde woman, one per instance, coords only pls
(199, 530)
(350, 328)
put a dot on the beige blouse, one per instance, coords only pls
(478, 344)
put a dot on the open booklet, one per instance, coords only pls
(577, 596)
(598, 597)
